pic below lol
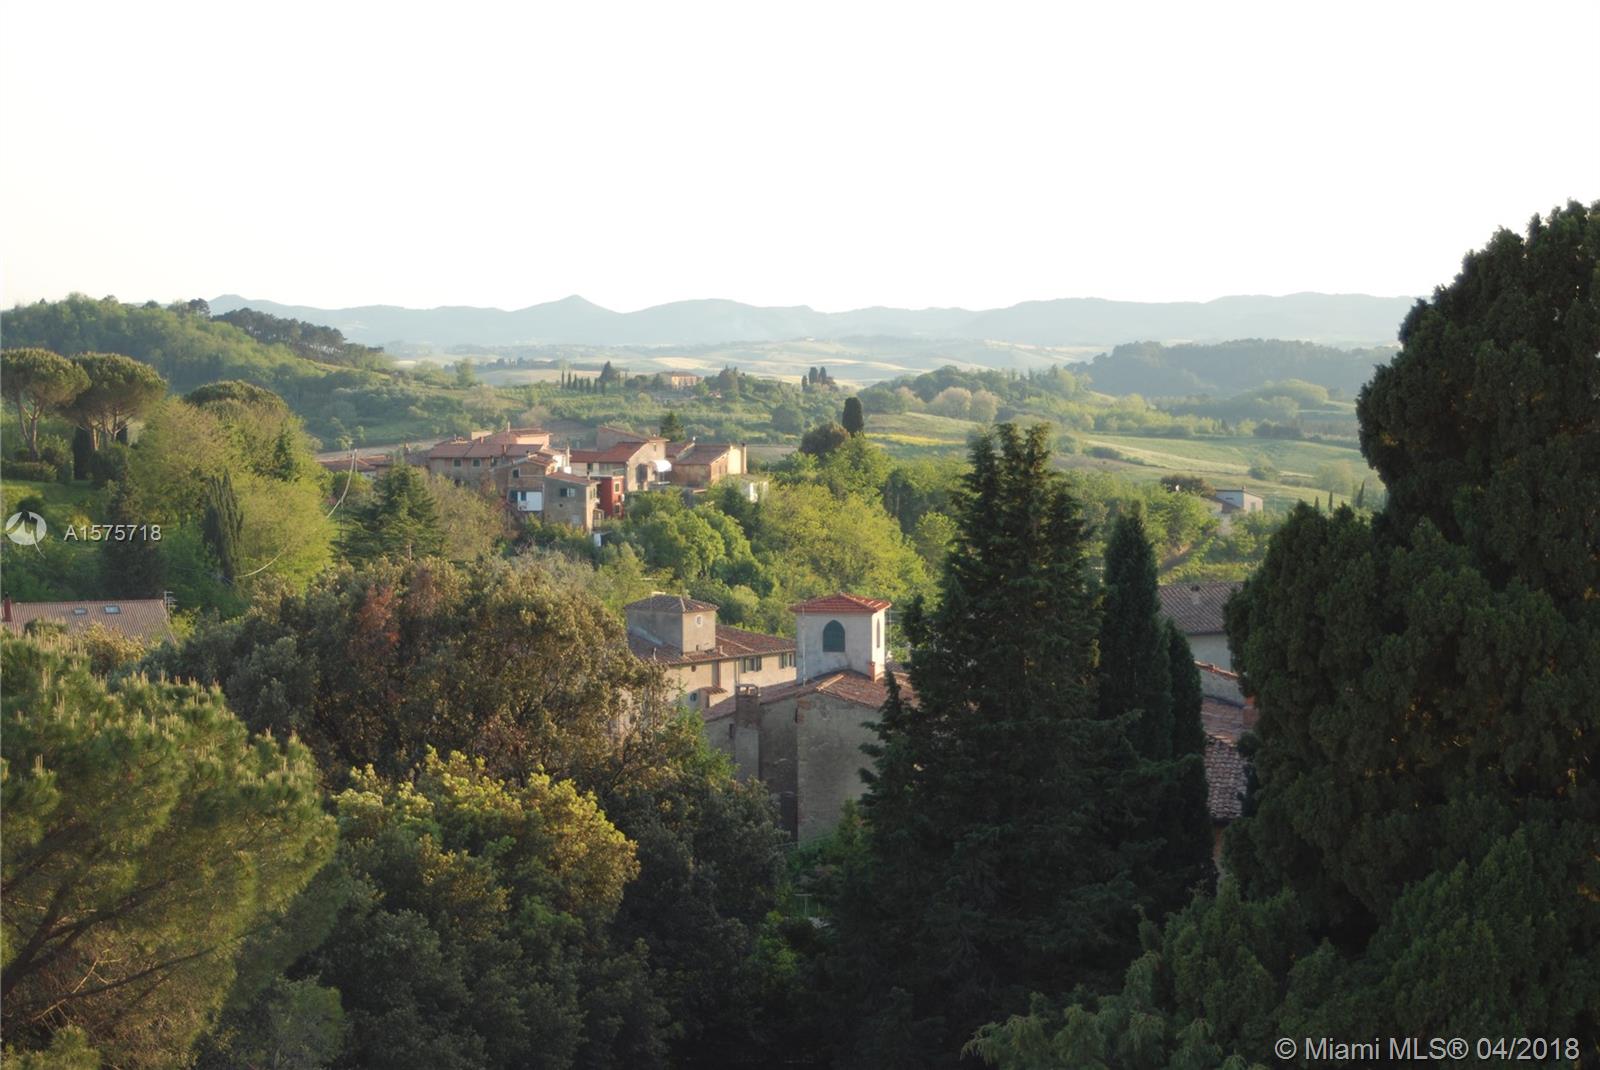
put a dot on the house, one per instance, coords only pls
(1238, 500)
(1196, 609)
(568, 499)
(682, 380)
(640, 460)
(703, 658)
(371, 465)
(703, 463)
(144, 619)
(474, 458)
(521, 480)
(803, 739)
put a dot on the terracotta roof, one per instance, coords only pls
(1225, 779)
(141, 618)
(1196, 608)
(659, 603)
(840, 603)
(848, 685)
(731, 643)
(1224, 720)
(703, 453)
(678, 449)
(621, 453)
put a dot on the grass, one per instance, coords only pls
(60, 500)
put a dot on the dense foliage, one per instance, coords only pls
(145, 833)
(1419, 856)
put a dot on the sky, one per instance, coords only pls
(834, 155)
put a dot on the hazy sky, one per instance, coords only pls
(918, 154)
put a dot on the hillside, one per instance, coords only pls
(1350, 319)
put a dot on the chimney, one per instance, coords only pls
(7, 610)
(1194, 594)
(747, 706)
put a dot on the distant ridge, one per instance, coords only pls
(1334, 319)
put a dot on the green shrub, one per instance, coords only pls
(37, 471)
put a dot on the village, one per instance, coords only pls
(790, 712)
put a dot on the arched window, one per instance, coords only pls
(833, 637)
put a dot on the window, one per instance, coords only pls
(785, 661)
(699, 621)
(113, 609)
(750, 665)
(516, 473)
(877, 632)
(78, 611)
(456, 463)
(833, 638)
(476, 463)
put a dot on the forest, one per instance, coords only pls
(397, 794)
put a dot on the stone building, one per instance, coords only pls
(570, 500)
(803, 739)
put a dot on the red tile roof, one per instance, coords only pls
(141, 618)
(840, 603)
(1196, 608)
(621, 453)
(1225, 779)
(848, 685)
(731, 643)
(659, 603)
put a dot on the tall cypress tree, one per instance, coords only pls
(1422, 849)
(1135, 673)
(223, 525)
(1001, 861)
(1144, 675)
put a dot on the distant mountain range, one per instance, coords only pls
(1333, 319)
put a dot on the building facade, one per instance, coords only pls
(803, 739)
(705, 660)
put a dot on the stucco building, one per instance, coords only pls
(1196, 609)
(704, 659)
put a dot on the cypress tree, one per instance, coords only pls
(1146, 669)
(223, 525)
(854, 419)
(1135, 672)
(1421, 850)
(1000, 861)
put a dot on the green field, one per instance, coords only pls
(61, 502)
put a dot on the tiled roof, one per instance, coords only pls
(1225, 779)
(141, 618)
(563, 477)
(621, 453)
(848, 685)
(1196, 608)
(731, 643)
(703, 453)
(840, 603)
(678, 449)
(1224, 719)
(660, 603)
